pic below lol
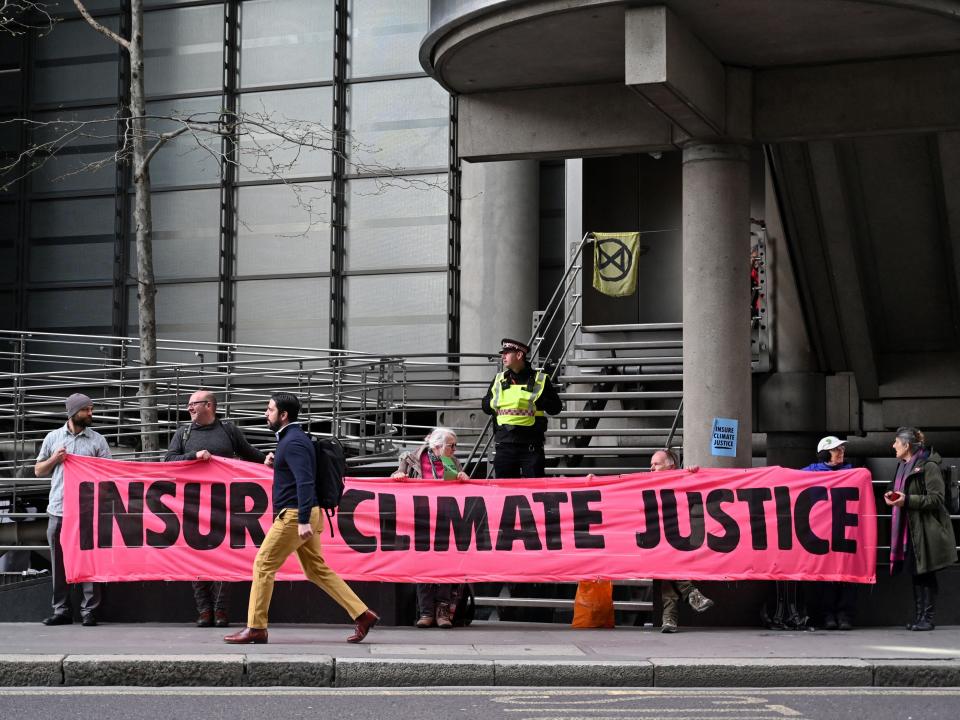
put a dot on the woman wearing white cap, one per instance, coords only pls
(839, 599)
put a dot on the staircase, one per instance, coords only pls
(622, 385)
(623, 389)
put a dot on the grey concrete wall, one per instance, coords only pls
(499, 255)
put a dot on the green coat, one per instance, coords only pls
(931, 531)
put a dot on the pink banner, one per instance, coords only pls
(205, 520)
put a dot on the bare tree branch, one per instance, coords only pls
(102, 29)
(18, 17)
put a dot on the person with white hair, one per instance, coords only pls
(434, 460)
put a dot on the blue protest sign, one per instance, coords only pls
(723, 437)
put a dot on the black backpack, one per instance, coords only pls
(331, 467)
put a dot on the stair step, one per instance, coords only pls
(609, 451)
(615, 395)
(614, 432)
(631, 345)
(597, 378)
(488, 601)
(632, 327)
(641, 361)
(667, 412)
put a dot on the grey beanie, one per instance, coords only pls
(76, 403)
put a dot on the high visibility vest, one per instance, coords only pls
(516, 404)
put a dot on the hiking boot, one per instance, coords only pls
(699, 602)
(425, 621)
(443, 617)
(668, 622)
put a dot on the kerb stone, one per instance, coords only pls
(31, 670)
(369, 672)
(154, 670)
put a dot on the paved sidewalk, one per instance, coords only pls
(487, 653)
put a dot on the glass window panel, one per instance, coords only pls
(303, 117)
(396, 125)
(393, 226)
(85, 142)
(80, 310)
(10, 81)
(186, 311)
(192, 158)
(8, 246)
(7, 317)
(75, 62)
(293, 312)
(283, 229)
(397, 313)
(183, 50)
(72, 240)
(385, 36)
(186, 235)
(286, 41)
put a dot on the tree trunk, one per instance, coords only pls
(143, 219)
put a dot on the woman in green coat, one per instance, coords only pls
(921, 533)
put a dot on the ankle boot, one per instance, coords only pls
(917, 606)
(929, 596)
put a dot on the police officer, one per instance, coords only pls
(518, 397)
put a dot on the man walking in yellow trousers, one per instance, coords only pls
(297, 528)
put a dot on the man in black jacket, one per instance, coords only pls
(518, 397)
(297, 528)
(204, 437)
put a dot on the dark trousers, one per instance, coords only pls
(429, 595)
(515, 460)
(839, 600)
(210, 595)
(61, 589)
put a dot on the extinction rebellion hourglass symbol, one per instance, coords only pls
(614, 259)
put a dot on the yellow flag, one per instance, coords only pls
(615, 263)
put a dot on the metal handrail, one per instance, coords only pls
(574, 268)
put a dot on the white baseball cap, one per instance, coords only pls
(829, 443)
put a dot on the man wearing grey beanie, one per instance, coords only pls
(76, 438)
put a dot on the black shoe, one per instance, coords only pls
(205, 618)
(89, 620)
(830, 623)
(220, 619)
(844, 623)
(58, 619)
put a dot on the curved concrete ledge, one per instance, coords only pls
(487, 45)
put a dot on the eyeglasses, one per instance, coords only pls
(199, 402)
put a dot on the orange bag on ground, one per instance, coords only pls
(593, 605)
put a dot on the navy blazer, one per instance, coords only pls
(294, 473)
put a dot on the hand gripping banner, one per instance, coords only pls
(204, 520)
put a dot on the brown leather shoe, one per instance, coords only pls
(205, 619)
(220, 619)
(364, 623)
(247, 636)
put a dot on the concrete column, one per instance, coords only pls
(716, 300)
(499, 258)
